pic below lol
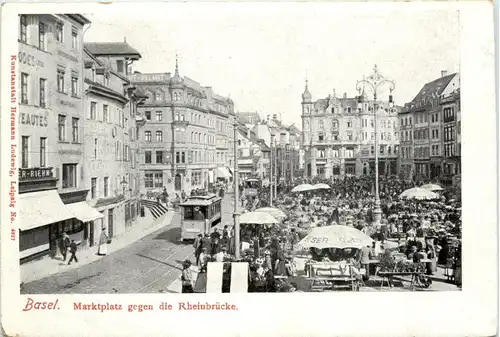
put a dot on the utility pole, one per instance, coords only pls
(236, 213)
(276, 169)
(271, 174)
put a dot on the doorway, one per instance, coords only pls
(177, 182)
(110, 222)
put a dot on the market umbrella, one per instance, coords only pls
(432, 187)
(275, 212)
(321, 187)
(258, 218)
(335, 236)
(303, 188)
(419, 194)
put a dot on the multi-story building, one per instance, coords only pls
(406, 164)
(111, 153)
(253, 155)
(452, 139)
(425, 125)
(338, 135)
(285, 141)
(52, 165)
(186, 142)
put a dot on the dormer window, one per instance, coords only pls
(158, 96)
(348, 109)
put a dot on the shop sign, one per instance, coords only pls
(69, 104)
(34, 119)
(30, 60)
(365, 152)
(35, 173)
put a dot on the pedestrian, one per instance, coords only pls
(72, 248)
(187, 278)
(366, 253)
(65, 243)
(197, 247)
(103, 243)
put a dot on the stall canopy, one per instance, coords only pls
(83, 212)
(41, 208)
(223, 172)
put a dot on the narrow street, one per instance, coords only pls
(147, 266)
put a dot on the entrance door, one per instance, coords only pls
(110, 222)
(178, 182)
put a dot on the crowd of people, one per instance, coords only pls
(422, 230)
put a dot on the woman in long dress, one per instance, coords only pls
(103, 243)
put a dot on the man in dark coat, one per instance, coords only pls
(72, 249)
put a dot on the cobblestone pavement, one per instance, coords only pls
(147, 266)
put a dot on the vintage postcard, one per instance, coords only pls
(236, 168)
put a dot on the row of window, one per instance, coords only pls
(196, 118)
(25, 31)
(183, 157)
(349, 124)
(121, 186)
(422, 152)
(27, 86)
(196, 137)
(27, 151)
(61, 129)
(448, 116)
(351, 136)
(105, 114)
(348, 109)
(154, 179)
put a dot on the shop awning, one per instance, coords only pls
(41, 208)
(223, 172)
(84, 212)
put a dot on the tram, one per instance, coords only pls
(199, 214)
(251, 187)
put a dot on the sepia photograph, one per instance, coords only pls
(149, 166)
(168, 159)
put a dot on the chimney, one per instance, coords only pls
(345, 94)
(248, 133)
(444, 73)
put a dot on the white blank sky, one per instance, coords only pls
(259, 53)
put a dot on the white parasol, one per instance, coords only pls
(419, 194)
(275, 212)
(321, 187)
(335, 237)
(432, 187)
(303, 188)
(257, 218)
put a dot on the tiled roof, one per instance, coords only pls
(433, 89)
(111, 48)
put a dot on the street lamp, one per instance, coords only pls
(236, 213)
(375, 81)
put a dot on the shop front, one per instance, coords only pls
(41, 214)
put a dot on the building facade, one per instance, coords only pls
(429, 131)
(338, 135)
(253, 155)
(50, 116)
(186, 142)
(110, 136)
